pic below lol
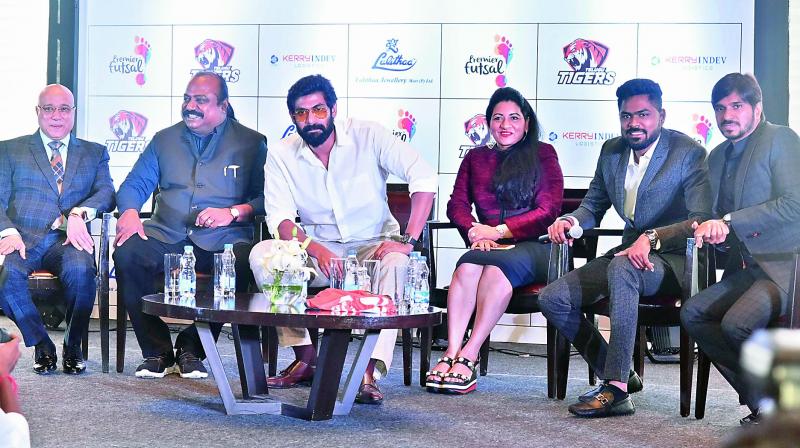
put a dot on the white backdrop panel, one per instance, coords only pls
(229, 50)
(585, 61)
(394, 61)
(289, 52)
(691, 60)
(477, 59)
(129, 60)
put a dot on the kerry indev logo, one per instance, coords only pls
(215, 56)
(586, 58)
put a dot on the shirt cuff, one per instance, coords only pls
(91, 213)
(8, 232)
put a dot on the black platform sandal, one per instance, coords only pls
(465, 384)
(435, 385)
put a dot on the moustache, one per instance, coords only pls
(632, 130)
(189, 112)
(729, 122)
(312, 127)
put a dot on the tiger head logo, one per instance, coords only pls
(582, 54)
(211, 54)
(477, 130)
(125, 124)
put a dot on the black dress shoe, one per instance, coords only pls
(605, 404)
(44, 357)
(73, 360)
(751, 420)
(634, 385)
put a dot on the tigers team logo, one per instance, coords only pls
(476, 129)
(215, 56)
(128, 128)
(585, 59)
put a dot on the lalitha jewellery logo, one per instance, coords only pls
(133, 64)
(215, 56)
(586, 57)
(495, 65)
(392, 59)
(128, 127)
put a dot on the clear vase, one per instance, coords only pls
(287, 287)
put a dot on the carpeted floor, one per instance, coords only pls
(510, 408)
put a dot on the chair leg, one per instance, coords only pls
(104, 325)
(687, 366)
(639, 349)
(703, 370)
(592, 374)
(562, 349)
(122, 329)
(407, 341)
(484, 365)
(551, 361)
(425, 340)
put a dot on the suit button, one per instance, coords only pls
(200, 185)
(190, 231)
(755, 235)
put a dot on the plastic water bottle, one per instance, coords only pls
(229, 271)
(410, 287)
(422, 293)
(187, 281)
(364, 281)
(351, 271)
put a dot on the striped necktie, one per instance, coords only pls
(56, 163)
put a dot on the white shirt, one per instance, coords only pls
(14, 432)
(347, 201)
(633, 178)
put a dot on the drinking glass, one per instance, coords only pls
(373, 270)
(172, 269)
(336, 273)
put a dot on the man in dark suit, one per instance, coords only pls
(210, 177)
(51, 183)
(755, 183)
(656, 180)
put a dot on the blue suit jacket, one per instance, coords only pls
(29, 199)
(673, 193)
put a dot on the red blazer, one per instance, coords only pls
(474, 186)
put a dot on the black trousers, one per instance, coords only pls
(139, 267)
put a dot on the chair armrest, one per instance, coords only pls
(700, 268)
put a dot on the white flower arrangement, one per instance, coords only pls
(287, 272)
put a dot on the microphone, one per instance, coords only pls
(574, 233)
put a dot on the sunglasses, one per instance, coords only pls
(320, 111)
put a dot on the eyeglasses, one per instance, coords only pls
(50, 110)
(320, 111)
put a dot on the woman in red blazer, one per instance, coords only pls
(516, 186)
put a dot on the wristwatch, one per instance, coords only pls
(408, 239)
(234, 212)
(652, 235)
(727, 219)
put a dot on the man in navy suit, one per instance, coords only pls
(51, 184)
(656, 180)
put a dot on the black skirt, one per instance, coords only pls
(524, 264)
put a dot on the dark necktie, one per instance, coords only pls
(56, 163)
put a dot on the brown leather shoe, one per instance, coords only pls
(298, 373)
(369, 393)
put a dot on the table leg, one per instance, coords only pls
(356, 373)
(251, 364)
(232, 406)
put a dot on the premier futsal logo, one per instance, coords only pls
(406, 126)
(215, 56)
(135, 64)
(128, 128)
(391, 59)
(585, 59)
(495, 65)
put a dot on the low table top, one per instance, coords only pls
(256, 309)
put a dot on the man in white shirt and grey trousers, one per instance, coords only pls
(332, 174)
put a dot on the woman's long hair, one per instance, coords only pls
(516, 173)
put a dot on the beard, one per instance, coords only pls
(315, 139)
(648, 140)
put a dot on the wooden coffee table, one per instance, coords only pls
(247, 312)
